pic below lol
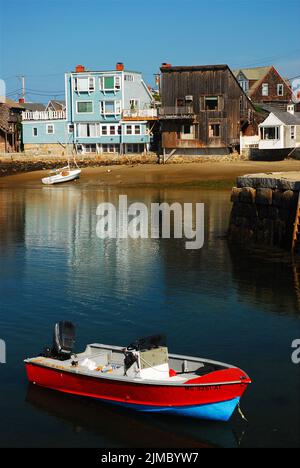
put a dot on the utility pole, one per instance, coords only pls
(22, 78)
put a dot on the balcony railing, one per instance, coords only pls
(140, 113)
(43, 115)
(176, 112)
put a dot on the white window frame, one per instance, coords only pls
(187, 136)
(90, 86)
(71, 125)
(37, 132)
(128, 77)
(126, 126)
(116, 111)
(265, 89)
(280, 87)
(117, 83)
(140, 127)
(277, 133)
(244, 85)
(109, 146)
(47, 129)
(136, 103)
(89, 126)
(84, 113)
(293, 132)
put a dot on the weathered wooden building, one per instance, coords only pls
(10, 126)
(203, 110)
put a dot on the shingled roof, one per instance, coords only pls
(256, 73)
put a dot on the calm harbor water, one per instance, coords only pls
(217, 302)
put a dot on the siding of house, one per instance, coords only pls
(202, 82)
(273, 79)
(129, 89)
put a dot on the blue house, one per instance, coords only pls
(105, 112)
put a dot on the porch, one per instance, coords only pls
(44, 115)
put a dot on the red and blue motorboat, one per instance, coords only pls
(143, 376)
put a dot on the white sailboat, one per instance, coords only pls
(64, 174)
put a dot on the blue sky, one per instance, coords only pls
(44, 38)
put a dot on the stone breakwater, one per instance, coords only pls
(264, 209)
(13, 164)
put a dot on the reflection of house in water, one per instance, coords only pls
(12, 218)
(63, 222)
(272, 279)
(206, 269)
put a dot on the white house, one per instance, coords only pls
(280, 130)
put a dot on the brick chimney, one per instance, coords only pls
(21, 101)
(80, 69)
(166, 65)
(120, 66)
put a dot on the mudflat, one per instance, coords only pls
(208, 174)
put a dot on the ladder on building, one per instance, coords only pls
(296, 232)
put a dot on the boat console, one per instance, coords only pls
(147, 358)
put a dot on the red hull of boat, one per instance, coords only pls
(216, 387)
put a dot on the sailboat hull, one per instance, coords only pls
(60, 178)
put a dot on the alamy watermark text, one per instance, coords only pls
(138, 221)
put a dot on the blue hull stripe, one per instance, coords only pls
(221, 411)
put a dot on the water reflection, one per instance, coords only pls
(218, 302)
(265, 276)
(123, 428)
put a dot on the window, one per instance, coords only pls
(180, 102)
(104, 130)
(50, 129)
(84, 84)
(70, 128)
(110, 107)
(292, 132)
(109, 148)
(280, 89)
(112, 130)
(187, 132)
(134, 148)
(86, 130)
(119, 130)
(92, 148)
(129, 77)
(128, 129)
(35, 131)
(214, 130)
(270, 133)
(137, 129)
(134, 104)
(84, 107)
(211, 103)
(117, 82)
(265, 89)
(110, 83)
(244, 85)
(91, 84)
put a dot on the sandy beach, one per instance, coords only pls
(209, 174)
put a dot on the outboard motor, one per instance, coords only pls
(63, 340)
